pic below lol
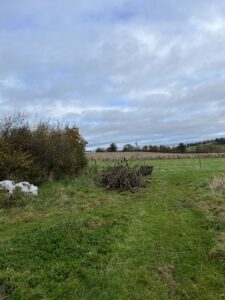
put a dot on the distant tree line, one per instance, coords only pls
(181, 148)
(199, 147)
(220, 141)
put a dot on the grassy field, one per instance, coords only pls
(78, 241)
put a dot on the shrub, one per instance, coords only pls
(15, 165)
(59, 150)
(39, 152)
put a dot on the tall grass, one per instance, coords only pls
(217, 185)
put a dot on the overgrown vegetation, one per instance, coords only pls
(16, 199)
(40, 151)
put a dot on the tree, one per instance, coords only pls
(145, 148)
(112, 148)
(181, 148)
(153, 148)
(128, 148)
(99, 149)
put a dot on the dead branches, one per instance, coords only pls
(124, 178)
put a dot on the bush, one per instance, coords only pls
(39, 152)
(59, 150)
(15, 165)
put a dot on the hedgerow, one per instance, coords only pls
(39, 152)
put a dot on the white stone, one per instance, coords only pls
(26, 188)
(8, 185)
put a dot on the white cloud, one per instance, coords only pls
(215, 25)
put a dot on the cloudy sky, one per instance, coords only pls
(151, 71)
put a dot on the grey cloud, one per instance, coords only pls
(121, 70)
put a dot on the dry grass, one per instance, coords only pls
(146, 155)
(214, 208)
(217, 185)
(167, 272)
(219, 250)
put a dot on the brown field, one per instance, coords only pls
(146, 155)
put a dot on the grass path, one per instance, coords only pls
(79, 242)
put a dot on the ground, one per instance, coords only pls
(78, 241)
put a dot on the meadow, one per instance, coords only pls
(79, 241)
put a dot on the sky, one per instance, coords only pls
(146, 71)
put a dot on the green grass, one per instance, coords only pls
(78, 241)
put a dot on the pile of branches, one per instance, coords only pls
(123, 178)
(146, 170)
